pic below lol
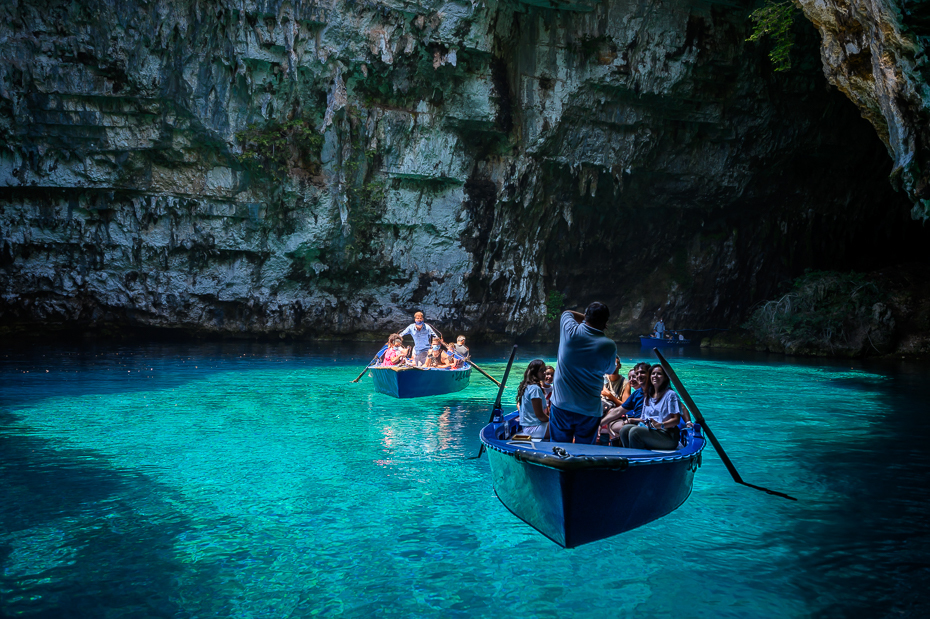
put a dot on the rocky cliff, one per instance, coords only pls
(325, 168)
(875, 52)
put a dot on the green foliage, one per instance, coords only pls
(274, 149)
(774, 20)
(821, 311)
(554, 305)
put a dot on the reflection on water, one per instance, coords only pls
(254, 480)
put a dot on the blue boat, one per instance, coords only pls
(654, 342)
(413, 382)
(576, 494)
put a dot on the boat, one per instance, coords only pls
(654, 342)
(414, 382)
(576, 494)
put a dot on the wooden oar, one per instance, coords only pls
(683, 394)
(370, 363)
(473, 364)
(497, 403)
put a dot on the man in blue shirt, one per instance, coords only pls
(585, 355)
(422, 335)
(660, 329)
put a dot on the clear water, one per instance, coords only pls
(250, 480)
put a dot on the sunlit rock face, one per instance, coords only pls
(326, 168)
(876, 53)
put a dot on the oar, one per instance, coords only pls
(494, 380)
(473, 364)
(370, 363)
(497, 403)
(683, 393)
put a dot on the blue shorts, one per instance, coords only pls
(566, 427)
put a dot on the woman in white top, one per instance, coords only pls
(661, 415)
(534, 413)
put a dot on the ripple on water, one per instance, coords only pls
(259, 482)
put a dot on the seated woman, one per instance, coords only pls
(632, 407)
(627, 387)
(534, 414)
(613, 386)
(396, 354)
(661, 414)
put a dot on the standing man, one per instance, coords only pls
(422, 334)
(660, 329)
(585, 355)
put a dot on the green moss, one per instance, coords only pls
(271, 151)
(413, 78)
(554, 305)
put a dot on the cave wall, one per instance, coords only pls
(875, 52)
(326, 168)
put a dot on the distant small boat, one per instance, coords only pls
(575, 494)
(655, 342)
(413, 382)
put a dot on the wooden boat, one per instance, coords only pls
(654, 342)
(413, 382)
(576, 494)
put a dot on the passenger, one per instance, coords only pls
(396, 354)
(613, 387)
(421, 334)
(460, 346)
(627, 388)
(451, 358)
(435, 357)
(632, 408)
(547, 383)
(534, 413)
(660, 329)
(661, 414)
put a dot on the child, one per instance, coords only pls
(396, 354)
(534, 412)
(547, 382)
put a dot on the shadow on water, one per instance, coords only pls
(110, 369)
(872, 542)
(73, 542)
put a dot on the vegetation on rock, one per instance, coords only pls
(826, 313)
(554, 305)
(774, 20)
(276, 148)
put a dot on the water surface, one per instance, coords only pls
(255, 480)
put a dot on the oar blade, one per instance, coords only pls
(684, 395)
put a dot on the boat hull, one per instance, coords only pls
(654, 342)
(410, 382)
(594, 492)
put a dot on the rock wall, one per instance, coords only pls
(875, 52)
(326, 168)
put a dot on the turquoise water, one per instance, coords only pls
(251, 480)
